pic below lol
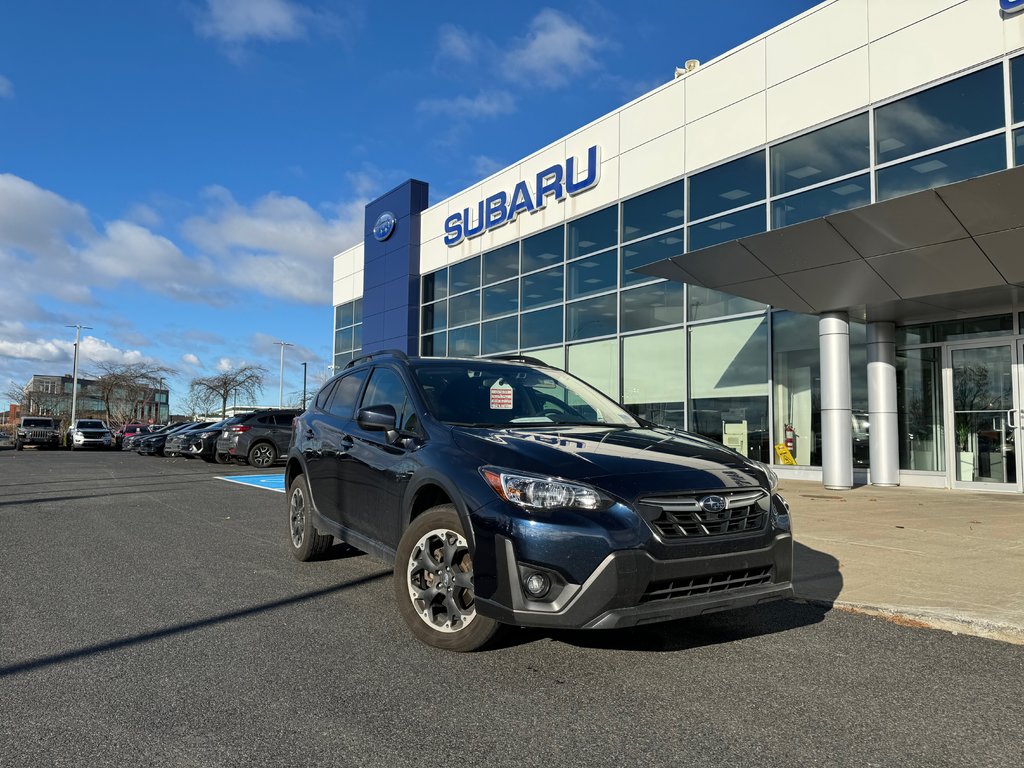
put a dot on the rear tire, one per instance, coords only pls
(304, 541)
(222, 458)
(18, 445)
(433, 583)
(262, 455)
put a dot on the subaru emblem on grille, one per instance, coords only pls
(712, 504)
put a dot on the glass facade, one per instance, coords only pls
(348, 332)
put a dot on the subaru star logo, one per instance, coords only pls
(384, 227)
(712, 504)
(1011, 6)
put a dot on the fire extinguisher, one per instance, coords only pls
(790, 439)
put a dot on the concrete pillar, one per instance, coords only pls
(836, 414)
(885, 449)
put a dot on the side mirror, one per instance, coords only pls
(379, 418)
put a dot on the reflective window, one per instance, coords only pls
(501, 264)
(541, 329)
(501, 299)
(435, 285)
(464, 276)
(554, 357)
(434, 345)
(343, 340)
(647, 252)
(464, 308)
(949, 112)
(542, 288)
(594, 232)
(946, 167)
(919, 405)
(832, 198)
(464, 342)
(434, 316)
(707, 303)
(592, 317)
(835, 150)
(593, 275)
(975, 327)
(343, 315)
(343, 399)
(1018, 147)
(729, 227)
(357, 311)
(651, 306)
(731, 185)
(543, 250)
(654, 377)
(500, 336)
(1017, 87)
(597, 364)
(796, 375)
(729, 387)
(387, 388)
(357, 337)
(653, 211)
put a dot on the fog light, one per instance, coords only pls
(537, 585)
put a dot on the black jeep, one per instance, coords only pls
(41, 431)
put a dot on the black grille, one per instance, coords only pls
(706, 585)
(683, 517)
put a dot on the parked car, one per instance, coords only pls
(131, 441)
(40, 431)
(130, 430)
(155, 445)
(89, 433)
(504, 491)
(202, 443)
(259, 438)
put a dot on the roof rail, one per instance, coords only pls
(520, 359)
(373, 355)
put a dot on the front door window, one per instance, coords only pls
(983, 427)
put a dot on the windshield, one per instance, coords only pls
(90, 424)
(485, 394)
(44, 423)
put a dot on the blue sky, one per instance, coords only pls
(179, 174)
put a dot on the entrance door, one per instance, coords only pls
(983, 415)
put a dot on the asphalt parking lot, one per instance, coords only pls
(150, 615)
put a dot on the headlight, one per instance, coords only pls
(773, 479)
(537, 492)
(206, 434)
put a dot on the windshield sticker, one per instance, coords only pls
(501, 396)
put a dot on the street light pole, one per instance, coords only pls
(304, 386)
(280, 391)
(74, 371)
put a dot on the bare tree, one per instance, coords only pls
(244, 383)
(127, 388)
(198, 402)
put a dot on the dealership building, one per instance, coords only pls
(810, 248)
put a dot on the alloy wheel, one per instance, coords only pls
(261, 456)
(440, 581)
(297, 515)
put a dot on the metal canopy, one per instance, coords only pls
(953, 250)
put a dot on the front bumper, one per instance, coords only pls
(631, 587)
(80, 441)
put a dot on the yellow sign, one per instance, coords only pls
(785, 457)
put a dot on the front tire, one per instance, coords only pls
(262, 455)
(433, 583)
(222, 458)
(305, 542)
(18, 445)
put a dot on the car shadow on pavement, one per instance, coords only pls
(817, 584)
(180, 629)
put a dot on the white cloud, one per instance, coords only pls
(480, 106)
(554, 51)
(280, 245)
(190, 359)
(144, 215)
(456, 44)
(238, 21)
(484, 166)
(225, 364)
(93, 350)
(6, 88)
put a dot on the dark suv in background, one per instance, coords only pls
(258, 438)
(504, 491)
(37, 430)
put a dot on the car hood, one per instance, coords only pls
(625, 462)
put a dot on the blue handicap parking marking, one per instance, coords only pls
(266, 482)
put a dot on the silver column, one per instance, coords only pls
(885, 451)
(836, 416)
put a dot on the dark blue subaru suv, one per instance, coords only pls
(505, 491)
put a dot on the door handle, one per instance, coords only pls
(1009, 419)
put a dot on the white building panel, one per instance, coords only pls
(1013, 33)
(728, 132)
(888, 16)
(604, 133)
(654, 116)
(725, 81)
(604, 194)
(433, 254)
(940, 45)
(839, 87)
(827, 33)
(344, 289)
(554, 213)
(432, 223)
(650, 164)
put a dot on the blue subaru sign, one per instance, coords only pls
(1011, 6)
(384, 226)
